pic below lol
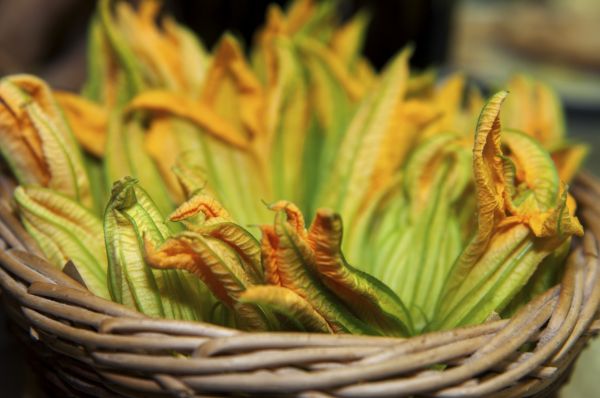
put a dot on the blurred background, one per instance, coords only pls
(555, 40)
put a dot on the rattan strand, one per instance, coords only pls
(82, 345)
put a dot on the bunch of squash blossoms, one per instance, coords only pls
(179, 181)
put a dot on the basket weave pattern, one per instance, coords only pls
(87, 346)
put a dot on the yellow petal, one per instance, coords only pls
(568, 160)
(489, 183)
(299, 12)
(41, 95)
(178, 253)
(87, 119)
(287, 254)
(487, 164)
(239, 239)
(287, 122)
(191, 175)
(215, 222)
(161, 144)
(534, 168)
(263, 56)
(198, 113)
(193, 58)
(426, 166)
(409, 120)
(557, 222)
(448, 99)
(150, 46)
(546, 207)
(233, 91)
(535, 109)
(422, 84)
(284, 265)
(288, 303)
(66, 230)
(357, 157)
(366, 73)
(347, 40)
(550, 125)
(519, 112)
(353, 87)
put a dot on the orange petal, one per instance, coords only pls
(206, 205)
(367, 297)
(269, 245)
(293, 214)
(205, 258)
(43, 136)
(215, 264)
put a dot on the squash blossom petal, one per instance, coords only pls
(365, 295)
(217, 131)
(88, 120)
(123, 158)
(523, 216)
(204, 215)
(161, 54)
(535, 109)
(289, 262)
(65, 231)
(441, 228)
(130, 219)
(217, 265)
(290, 305)
(36, 140)
(357, 156)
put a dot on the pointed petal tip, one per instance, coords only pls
(293, 214)
(121, 193)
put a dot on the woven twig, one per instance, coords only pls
(88, 346)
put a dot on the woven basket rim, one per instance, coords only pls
(100, 348)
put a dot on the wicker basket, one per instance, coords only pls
(81, 345)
